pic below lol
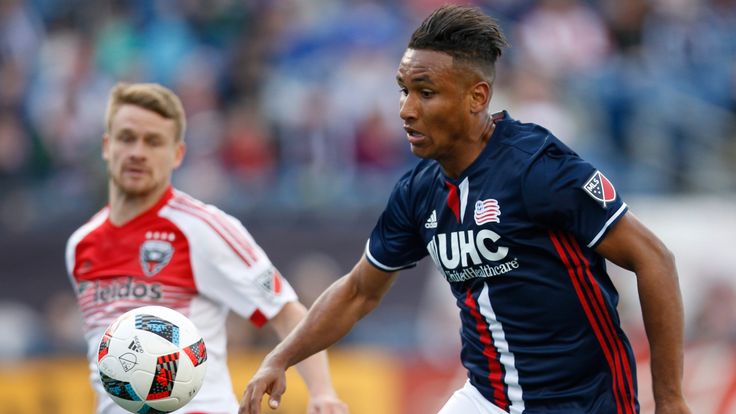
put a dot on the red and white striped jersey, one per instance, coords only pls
(182, 254)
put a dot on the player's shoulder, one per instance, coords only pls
(530, 142)
(185, 211)
(424, 175)
(92, 226)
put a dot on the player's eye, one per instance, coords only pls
(126, 136)
(154, 140)
(403, 91)
(426, 93)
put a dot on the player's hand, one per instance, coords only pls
(269, 379)
(326, 404)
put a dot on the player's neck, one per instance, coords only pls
(124, 207)
(455, 166)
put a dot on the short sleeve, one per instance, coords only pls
(562, 191)
(395, 243)
(229, 266)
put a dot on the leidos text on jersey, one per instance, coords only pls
(121, 288)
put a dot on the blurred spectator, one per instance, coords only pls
(64, 323)
(377, 146)
(715, 317)
(562, 38)
(248, 151)
(23, 334)
(311, 273)
(14, 144)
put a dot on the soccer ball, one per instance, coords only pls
(152, 360)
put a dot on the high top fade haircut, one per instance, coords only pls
(466, 33)
(150, 96)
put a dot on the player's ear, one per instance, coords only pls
(480, 96)
(181, 150)
(105, 147)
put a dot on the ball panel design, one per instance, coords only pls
(164, 377)
(120, 389)
(196, 352)
(104, 346)
(147, 409)
(142, 366)
(160, 327)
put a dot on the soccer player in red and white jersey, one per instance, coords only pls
(154, 245)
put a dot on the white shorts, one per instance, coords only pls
(468, 400)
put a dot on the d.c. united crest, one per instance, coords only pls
(155, 255)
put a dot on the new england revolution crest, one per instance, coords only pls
(155, 255)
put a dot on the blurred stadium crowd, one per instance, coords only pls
(292, 103)
(292, 111)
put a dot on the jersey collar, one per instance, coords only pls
(167, 195)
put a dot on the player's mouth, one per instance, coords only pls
(135, 172)
(414, 136)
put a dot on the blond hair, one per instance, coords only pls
(150, 96)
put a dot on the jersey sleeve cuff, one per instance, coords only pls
(611, 221)
(372, 260)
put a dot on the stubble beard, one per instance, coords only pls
(118, 186)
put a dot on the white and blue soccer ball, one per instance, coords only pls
(152, 360)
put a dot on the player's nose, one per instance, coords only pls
(407, 108)
(138, 150)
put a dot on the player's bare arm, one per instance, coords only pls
(314, 370)
(632, 246)
(331, 317)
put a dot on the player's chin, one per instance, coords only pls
(136, 189)
(420, 151)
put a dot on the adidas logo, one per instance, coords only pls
(432, 221)
(135, 345)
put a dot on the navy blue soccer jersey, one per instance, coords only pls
(514, 236)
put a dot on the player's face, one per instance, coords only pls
(434, 104)
(141, 151)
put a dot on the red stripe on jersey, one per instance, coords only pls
(101, 313)
(276, 283)
(258, 319)
(229, 228)
(495, 370)
(207, 219)
(453, 200)
(616, 383)
(618, 343)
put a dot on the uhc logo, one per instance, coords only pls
(461, 248)
(465, 255)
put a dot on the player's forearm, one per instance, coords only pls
(662, 310)
(314, 370)
(330, 318)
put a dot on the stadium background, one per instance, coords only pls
(293, 127)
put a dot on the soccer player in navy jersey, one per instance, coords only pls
(520, 226)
